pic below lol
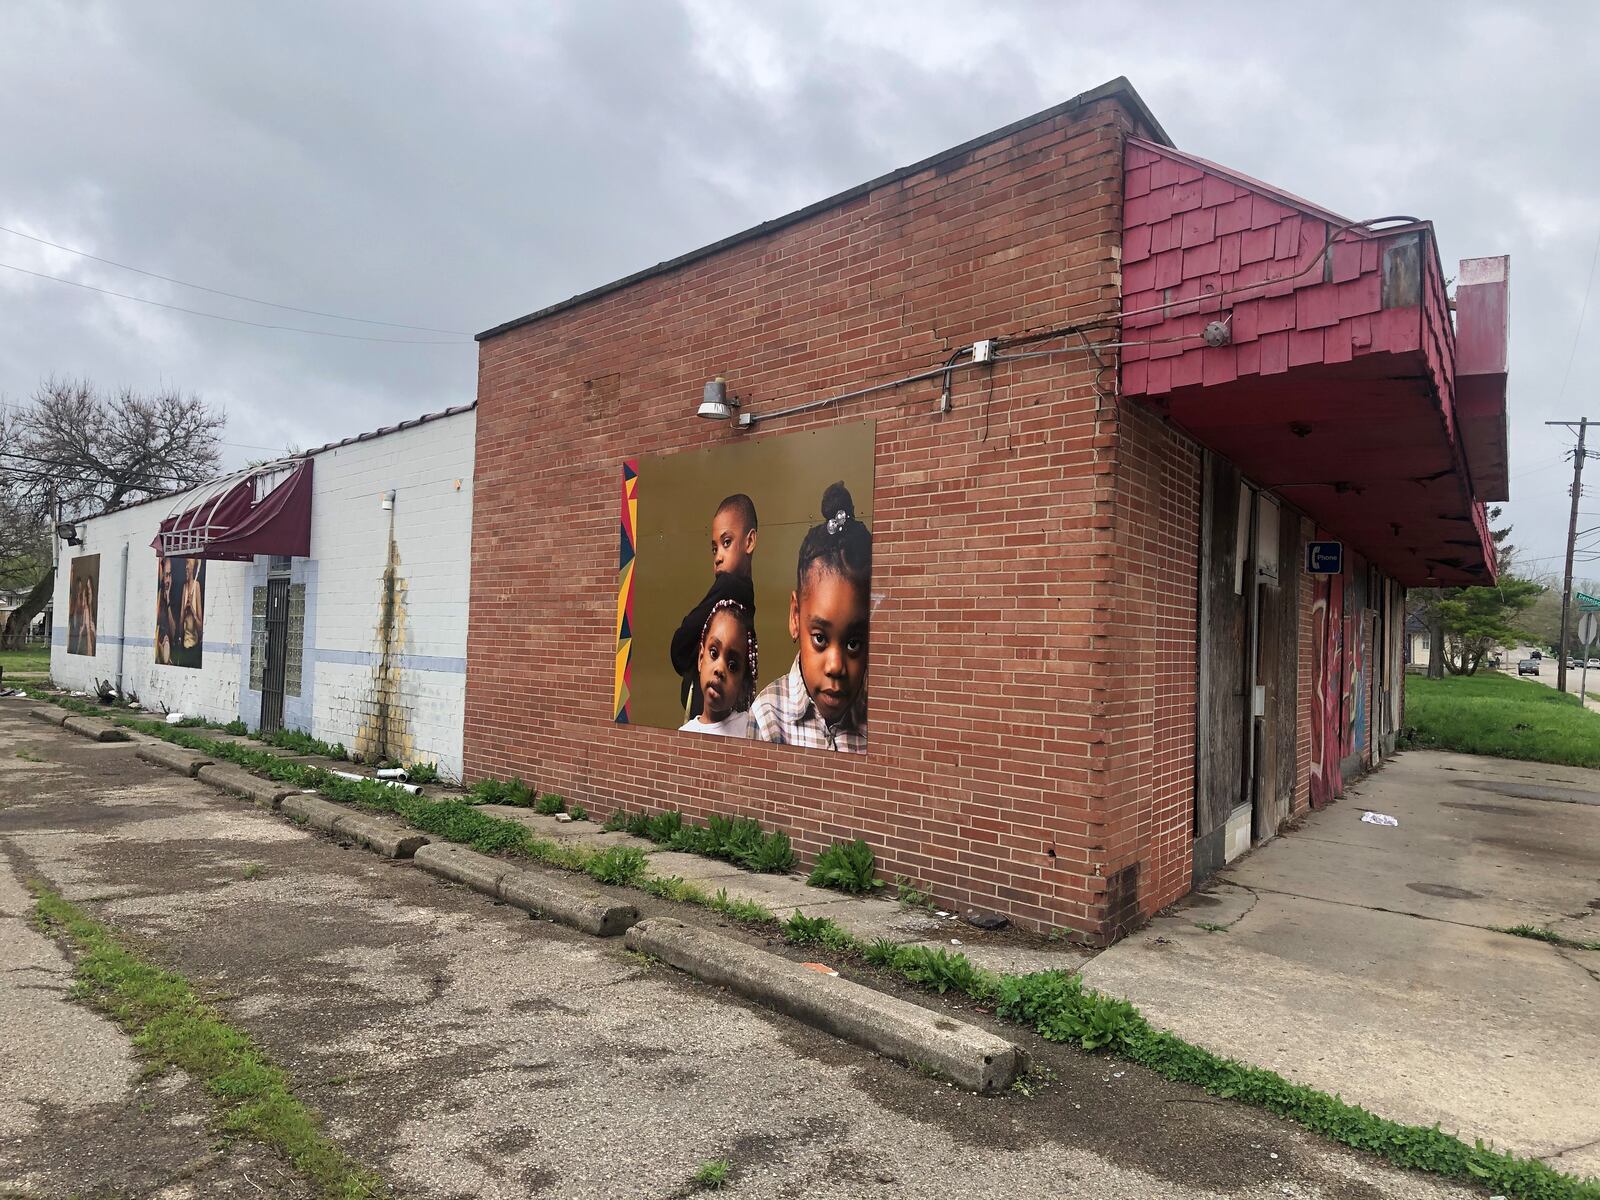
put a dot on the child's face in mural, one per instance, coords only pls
(732, 543)
(829, 618)
(724, 665)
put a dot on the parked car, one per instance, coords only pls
(1528, 666)
(1594, 662)
(1574, 662)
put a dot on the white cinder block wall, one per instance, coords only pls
(126, 632)
(349, 687)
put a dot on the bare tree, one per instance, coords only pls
(80, 452)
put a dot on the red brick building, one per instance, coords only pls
(1099, 664)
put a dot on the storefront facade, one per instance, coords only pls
(1052, 649)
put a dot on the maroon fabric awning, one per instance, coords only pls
(235, 525)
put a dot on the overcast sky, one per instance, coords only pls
(456, 165)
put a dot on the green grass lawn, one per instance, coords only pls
(34, 658)
(1497, 714)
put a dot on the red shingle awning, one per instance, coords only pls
(1336, 384)
(266, 510)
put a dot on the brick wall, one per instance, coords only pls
(997, 641)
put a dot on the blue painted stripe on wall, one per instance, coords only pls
(410, 662)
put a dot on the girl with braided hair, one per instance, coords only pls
(822, 701)
(727, 664)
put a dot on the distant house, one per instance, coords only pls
(38, 628)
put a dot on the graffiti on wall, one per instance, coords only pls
(1327, 689)
(1355, 696)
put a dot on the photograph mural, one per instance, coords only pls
(765, 637)
(180, 611)
(83, 604)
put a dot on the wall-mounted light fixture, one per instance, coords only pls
(68, 533)
(715, 403)
(388, 501)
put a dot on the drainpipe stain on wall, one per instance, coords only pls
(386, 728)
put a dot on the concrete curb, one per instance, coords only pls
(174, 758)
(52, 716)
(970, 1057)
(384, 837)
(313, 810)
(584, 909)
(240, 782)
(467, 867)
(96, 729)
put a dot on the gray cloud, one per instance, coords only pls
(458, 165)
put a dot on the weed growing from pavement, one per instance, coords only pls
(739, 840)
(619, 865)
(501, 791)
(712, 1175)
(1543, 933)
(255, 870)
(303, 743)
(423, 773)
(1054, 1004)
(802, 930)
(172, 1027)
(578, 812)
(911, 896)
(1211, 927)
(549, 804)
(847, 867)
(28, 755)
(741, 910)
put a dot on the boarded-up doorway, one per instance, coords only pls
(1248, 667)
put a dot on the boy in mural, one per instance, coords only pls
(727, 671)
(822, 701)
(733, 548)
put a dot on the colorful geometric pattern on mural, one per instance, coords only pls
(630, 518)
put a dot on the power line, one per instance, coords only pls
(195, 312)
(310, 312)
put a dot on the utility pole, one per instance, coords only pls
(1572, 538)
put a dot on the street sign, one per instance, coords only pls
(1327, 558)
(1588, 628)
(1588, 603)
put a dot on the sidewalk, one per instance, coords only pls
(1362, 959)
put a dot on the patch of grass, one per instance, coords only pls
(739, 840)
(1496, 714)
(549, 804)
(501, 791)
(1211, 927)
(31, 660)
(578, 812)
(620, 865)
(616, 822)
(847, 867)
(802, 930)
(27, 755)
(741, 910)
(676, 888)
(712, 1175)
(1543, 933)
(171, 1027)
(254, 870)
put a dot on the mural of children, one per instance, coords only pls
(166, 619)
(728, 663)
(733, 548)
(822, 701)
(81, 614)
(191, 615)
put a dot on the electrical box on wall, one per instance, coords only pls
(1267, 517)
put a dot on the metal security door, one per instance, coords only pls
(277, 645)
